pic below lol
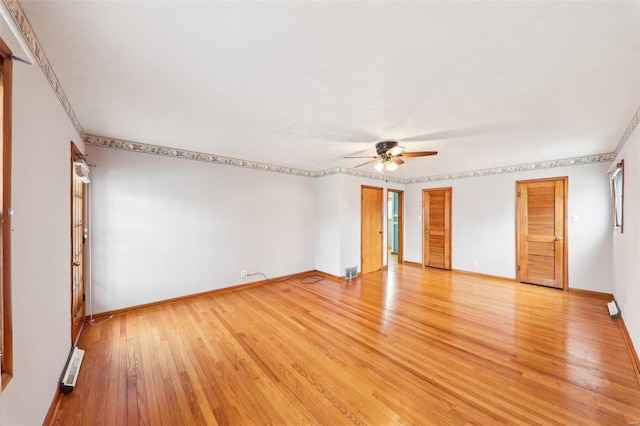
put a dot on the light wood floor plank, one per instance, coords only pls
(404, 346)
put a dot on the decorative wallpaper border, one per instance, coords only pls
(101, 141)
(218, 159)
(627, 134)
(576, 161)
(358, 173)
(27, 32)
(190, 155)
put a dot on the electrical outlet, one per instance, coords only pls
(476, 263)
(244, 273)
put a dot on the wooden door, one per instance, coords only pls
(6, 329)
(371, 224)
(436, 214)
(78, 237)
(541, 244)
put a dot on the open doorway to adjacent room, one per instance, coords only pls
(394, 227)
(79, 235)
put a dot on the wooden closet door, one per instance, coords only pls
(436, 205)
(541, 237)
(371, 223)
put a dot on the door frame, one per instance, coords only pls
(76, 154)
(6, 324)
(382, 224)
(565, 231)
(400, 224)
(449, 228)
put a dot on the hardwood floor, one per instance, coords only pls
(404, 346)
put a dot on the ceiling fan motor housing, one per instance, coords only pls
(384, 146)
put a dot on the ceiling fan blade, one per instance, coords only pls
(419, 154)
(363, 164)
(397, 160)
(396, 150)
(367, 156)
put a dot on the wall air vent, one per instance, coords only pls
(351, 273)
(71, 370)
(614, 310)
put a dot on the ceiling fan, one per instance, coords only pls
(389, 156)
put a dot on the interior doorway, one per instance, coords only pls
(436, 214)
(79, 232)
(6, 333)
(395, 243)
(371, 229)
(541, 237)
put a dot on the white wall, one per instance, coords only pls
(338, 227)
(483, 223)
(328, 200)
(40, 246)
(165, 227)
(626, 247)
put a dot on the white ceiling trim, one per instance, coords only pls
(217, 159)
(24, 26)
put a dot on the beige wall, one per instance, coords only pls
(40, 246)
(626, 246)
(484, 215)
(164, 227)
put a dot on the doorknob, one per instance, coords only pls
(558, 238)
(380, 232)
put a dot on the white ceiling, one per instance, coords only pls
(303, 84)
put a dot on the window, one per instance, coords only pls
(616, 174)
(6, 360)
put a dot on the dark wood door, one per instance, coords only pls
(541, 238)
(371, 229)
(436, 206)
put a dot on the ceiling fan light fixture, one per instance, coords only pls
(379, 166)
(391, 166)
